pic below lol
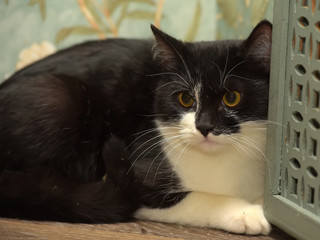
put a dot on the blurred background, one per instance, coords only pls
(32, 29)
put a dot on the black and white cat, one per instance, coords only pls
(162, 130)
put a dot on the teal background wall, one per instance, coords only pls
(25, 24)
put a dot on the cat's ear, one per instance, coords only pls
(166, 49)
(258, 45)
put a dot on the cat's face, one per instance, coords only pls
(210, 91)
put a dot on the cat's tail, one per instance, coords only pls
(44, 196)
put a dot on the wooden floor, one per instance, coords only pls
(29, 230)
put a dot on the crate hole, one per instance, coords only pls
(296, 139)
(313, 6)
(302, 45)
(314, 123)
(294, 186)
(300, 69)
(295, 163)
(299, 93)
(318, 51)
(317, 25)
(312, 172)
(304, 3)
(297, 116)
(313, 147)
(303, 22)
(316, 99)
(316, 75)
(310, 196)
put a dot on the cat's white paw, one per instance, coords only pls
(249, 220)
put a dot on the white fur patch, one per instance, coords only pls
(225, 175)
(232, 165)
(207, 210)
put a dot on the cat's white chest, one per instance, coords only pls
(229, 173)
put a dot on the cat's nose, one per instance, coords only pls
(205, 129)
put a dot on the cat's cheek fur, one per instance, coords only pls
(208, 210)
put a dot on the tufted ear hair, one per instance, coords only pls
(166, 49)
(258, 45)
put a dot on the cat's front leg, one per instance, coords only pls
(207, 210)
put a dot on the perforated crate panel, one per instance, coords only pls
(294, 143)
(301, 156)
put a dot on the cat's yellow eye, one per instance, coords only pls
(185, 100)
(231, 98)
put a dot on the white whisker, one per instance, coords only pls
(163, 150)
(149, 149)
(180, 144)
(234, 67)
(237, 76)
(145, 132)
(171, 73)
(220, 75)
(183, 62)
(172, 82)
(225, 68)
(260, 122)
(249, 146)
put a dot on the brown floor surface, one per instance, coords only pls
(30, 230)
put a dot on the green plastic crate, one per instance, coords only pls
(292, 199)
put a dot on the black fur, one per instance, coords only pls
(47, 195)
(69, 143)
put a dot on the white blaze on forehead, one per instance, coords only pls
(197, 91)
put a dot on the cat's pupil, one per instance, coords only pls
(231, 97)
(186, 98)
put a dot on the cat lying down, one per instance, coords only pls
(164, 130)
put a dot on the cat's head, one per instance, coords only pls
(211, 90)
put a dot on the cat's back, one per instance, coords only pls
(57, 109)
(92, 58)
